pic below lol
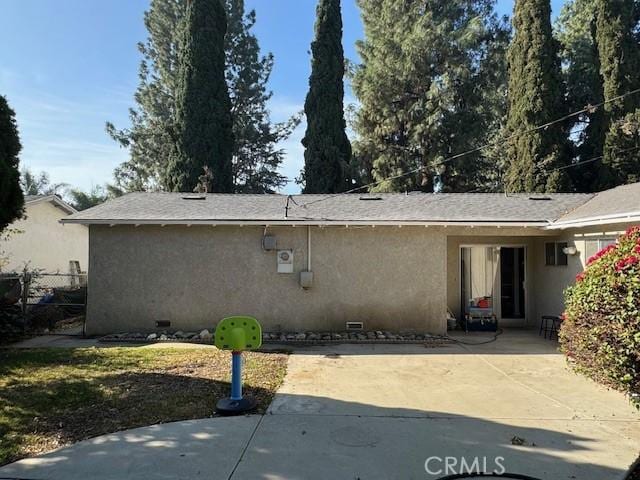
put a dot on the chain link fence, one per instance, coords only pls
(33, 303)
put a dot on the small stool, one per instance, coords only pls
(550, 324)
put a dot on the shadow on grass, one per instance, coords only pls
(42, 408)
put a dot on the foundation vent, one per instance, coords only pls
(355, 326)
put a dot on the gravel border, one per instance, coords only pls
(205, 337)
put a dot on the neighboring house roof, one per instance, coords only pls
(54, 199)
(618, 205)
(413, 208)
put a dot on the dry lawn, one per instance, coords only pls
(54, 397)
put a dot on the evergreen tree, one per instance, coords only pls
(579, 54)
(256, 157)
(149, 138)
(619, 67)
(431, 84)
(98, 194)
(11, 197)
(203, 129)
(536, 96)
(327, 148)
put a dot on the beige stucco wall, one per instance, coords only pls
(43, 242)
(553, 280)
(387, 277)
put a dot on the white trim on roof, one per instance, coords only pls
(594, 221)
(286, 222)
(57, 201)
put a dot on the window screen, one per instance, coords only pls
(591, 248)
(605, 242)
(550, 254)
(561, 257)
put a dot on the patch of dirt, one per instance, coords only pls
(51, 398)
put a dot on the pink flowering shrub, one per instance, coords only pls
(600, 333)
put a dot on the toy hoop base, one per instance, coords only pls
(228, 407)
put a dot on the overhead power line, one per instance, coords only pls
(591, 160)
(588, 109)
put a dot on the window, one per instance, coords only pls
(561, 257)
(550, 254)
(554, 254)
(593, 246)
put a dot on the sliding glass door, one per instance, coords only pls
(493, 281)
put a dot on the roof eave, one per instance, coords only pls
(57, 201)
(288, 222)
(595, 221)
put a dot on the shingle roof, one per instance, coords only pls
(618, 202)
(415, 207)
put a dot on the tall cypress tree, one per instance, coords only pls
(327, 147)
(203, 130)
(11, 197)
(619, 67)
(257, 155)
(536, 96)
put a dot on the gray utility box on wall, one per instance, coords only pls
(306, 279)
(269, 243)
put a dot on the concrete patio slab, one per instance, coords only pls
(310, 447)
(208, 448)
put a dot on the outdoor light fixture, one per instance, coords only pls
(570, 250)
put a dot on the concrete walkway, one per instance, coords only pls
(380, 412)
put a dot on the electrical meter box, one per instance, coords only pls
(285, 261)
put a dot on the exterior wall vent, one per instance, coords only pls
(194, 197)
(355, 326)
(163, 324)
(539, 199)
(369, 199)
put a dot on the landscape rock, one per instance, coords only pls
(205, 335)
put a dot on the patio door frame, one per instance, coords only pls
(498, 311)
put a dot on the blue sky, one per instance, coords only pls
(68, 66)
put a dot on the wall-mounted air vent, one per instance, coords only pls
(369, 199)
(540, 199)
(194, 197)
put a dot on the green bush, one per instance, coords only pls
(600, 334)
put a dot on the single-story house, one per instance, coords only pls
(40, 242)
(315, 262)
